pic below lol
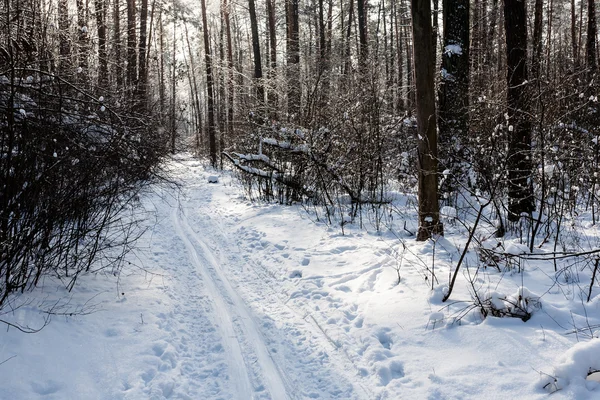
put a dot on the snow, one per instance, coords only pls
(448, 212)
(229, 299)
(453, 49)
(516, 249)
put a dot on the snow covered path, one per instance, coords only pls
(230, 309)
(259, 352)
(225, 299)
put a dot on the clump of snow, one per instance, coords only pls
(516, 249)
(448, 212)
(453, 49)
(573, 369)
(213, 179)
(438, 293)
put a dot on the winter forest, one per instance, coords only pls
(293, 199)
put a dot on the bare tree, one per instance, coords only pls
(212, 140)
(520, 190)
(424, 67)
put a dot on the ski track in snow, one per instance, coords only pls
(295, 356)
(231, 311)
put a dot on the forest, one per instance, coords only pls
(484, 112)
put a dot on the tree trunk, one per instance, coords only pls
(273, 50)
(520, 191)
(347, 54)
(131, 45)
(575, 48)
(424, 67)
(143, 69)
(118, 69)
(173, 94)
(100, 6)
(82, 40)
(231, 85)
(591, 38)
(453, 113)
(362, 32)
(212, 140)
(260, 91)
(64, 27)
(293, 59)
(537, 40)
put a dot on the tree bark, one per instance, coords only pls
(118, 69)
(273, 50)
(293, 59)
(143, 70)
(82, 40)
(591, 38)
(361, 11)
(100, 6)
(424, 67)
(64, 27)
(231, 83)
(258, 75)
(537, 39)
(520, 191)
(210, 101)
(453, 112)
(131, 45)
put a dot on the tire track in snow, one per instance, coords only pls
(228, 306)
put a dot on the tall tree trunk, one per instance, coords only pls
(64, 27)
(537, 39)
(131, 45)
(293, 59)
(100, 6)
(162, 95)
(231, 84)
(520, 191)
(143, 69)
(273, 50)
(82, 40)
(260, 91)
(574, 46)
(212, 140)
(118, 69)
(590, 49)
(362, 32)
(424, 67)
(173, 92)
(453, 112)
(398, 87)
(347, 58)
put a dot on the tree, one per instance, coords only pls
(143, 70)
(520, 189)
(212, 140)
(424, 67)
(100, 6)
(260, 91)
(453, 112)
(131, 45)
(293, 59)
(591, 38)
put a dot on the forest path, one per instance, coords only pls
(272, 350)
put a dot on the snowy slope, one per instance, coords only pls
(226, 299)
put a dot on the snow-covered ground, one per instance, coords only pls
(226, 299)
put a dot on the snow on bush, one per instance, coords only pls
(521, 304)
